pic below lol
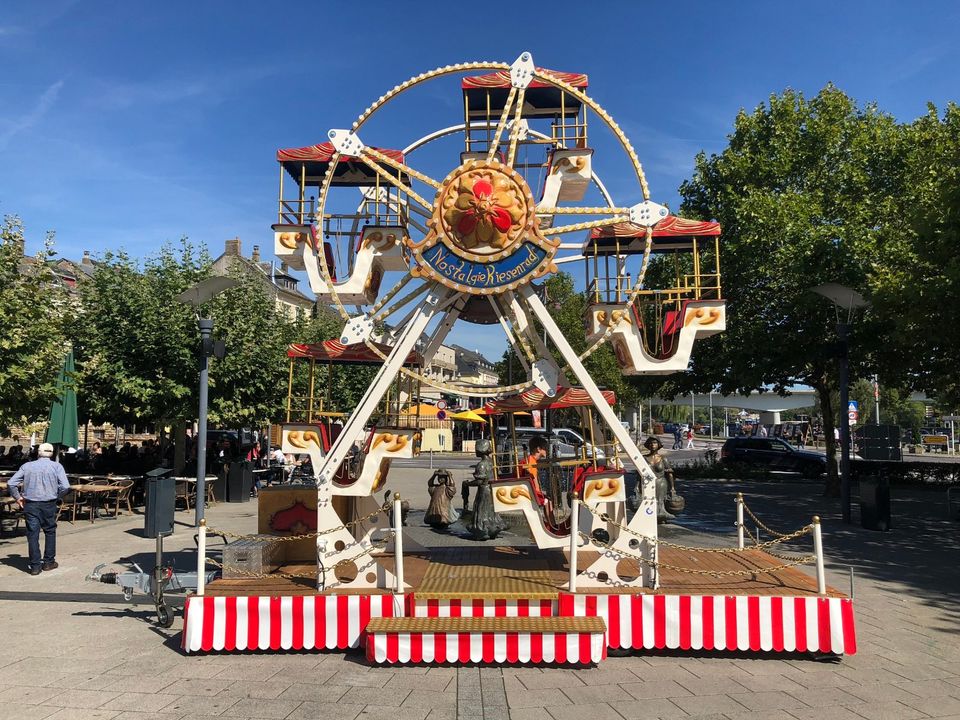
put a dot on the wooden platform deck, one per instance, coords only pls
(526, 572)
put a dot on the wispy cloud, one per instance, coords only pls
(25, 122)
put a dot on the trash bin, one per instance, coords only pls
(158, 516)
(875, 502)
(239, 481)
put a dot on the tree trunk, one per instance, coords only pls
(832, 488)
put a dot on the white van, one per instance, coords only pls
(572, 443)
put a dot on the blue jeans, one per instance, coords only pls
(41, 515)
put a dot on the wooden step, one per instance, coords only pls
(492, 640)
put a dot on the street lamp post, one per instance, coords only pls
(843, 298)
(196, 295)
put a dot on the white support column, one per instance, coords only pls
(818, 551)
(514, 342)
(739, 502)
(574, 540)
(440, 334)
(398, 542)
(201, 556)
(406, 340)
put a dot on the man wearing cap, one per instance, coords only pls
(44, 482)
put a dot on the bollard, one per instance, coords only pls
(202, 556)
(818, 551)
(398, 542)
(739, 502)
(574, 538)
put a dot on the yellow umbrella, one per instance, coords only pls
(470, 415)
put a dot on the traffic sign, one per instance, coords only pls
(441, 415)
(441, 404)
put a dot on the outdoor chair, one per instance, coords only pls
(120, 497)
(69, 503)
(184, 491)
(10, 508)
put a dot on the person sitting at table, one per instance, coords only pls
(44, 482)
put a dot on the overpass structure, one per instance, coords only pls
(768, 404)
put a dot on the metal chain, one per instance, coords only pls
(660, 565)
(760, 524)
(385, 508)
(656, 541)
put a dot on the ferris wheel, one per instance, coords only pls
(467, 242)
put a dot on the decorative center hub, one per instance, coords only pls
(483, 208)
(484, 235)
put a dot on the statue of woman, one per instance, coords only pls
(665, 478)
(442, 488)
(485, 523)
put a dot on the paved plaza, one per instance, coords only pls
(73, 649)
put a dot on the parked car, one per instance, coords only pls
(566, 444)
(774, 454)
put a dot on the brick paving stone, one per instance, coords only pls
(197, 705)
(760, 715)
(374, 696)
(770, 700)
(534, 679)
(765, 683)
(203, 686)
(594, 711)
(827, 697)
(328, 711)
(258, 708)
(887, 711)
(710, 686)
(832, 713)
(604, 675)
(534, 713)
(597, 694)
(83, 714)
(87, 699)
(21, 711)
(132, 715)
(821, 679)
(936, 707)
(377, 712)
(702, 704)
(360, 678)
(428, 699)
(536, 698)
(27, 695)
(443, 714)
(645, 709)
(654, 689)
(131, 683)
(929, 688)
(253, 689)
(314, 693)
(496, 713)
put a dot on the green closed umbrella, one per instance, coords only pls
(62, 429)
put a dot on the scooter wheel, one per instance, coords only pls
(164, 616)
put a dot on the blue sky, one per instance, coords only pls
(127, 124)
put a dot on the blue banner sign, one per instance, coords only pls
(506, 273)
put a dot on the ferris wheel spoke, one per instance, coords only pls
(507, 106)
(383, 314)
(515, 128)
(576, 227)
(402, 167)
(394, 180)
(583, 211)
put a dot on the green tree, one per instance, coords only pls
(36, 310)
(802, 192)
(136, 344)
(916, 289)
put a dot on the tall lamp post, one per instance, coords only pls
(843, 298)
(196, 295)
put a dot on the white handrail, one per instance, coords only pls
(818, 551)
(574, 533)
(398, 542)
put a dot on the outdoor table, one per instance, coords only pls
(95, 493)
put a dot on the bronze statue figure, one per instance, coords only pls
(485, 524)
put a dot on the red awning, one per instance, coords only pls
(324, 153)
(336, 352)
(501, 79)
(670, 227)
(534, 399)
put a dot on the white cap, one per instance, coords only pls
(45, 450)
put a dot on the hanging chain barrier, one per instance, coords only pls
(760, 524)
(385, 509)
(617, 553)
(805, 530)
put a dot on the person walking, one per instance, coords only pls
(44, 482)
(690, 439)
(677, 437)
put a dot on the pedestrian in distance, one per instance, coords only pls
(677, 437)
(690, 439)
(43, 483)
